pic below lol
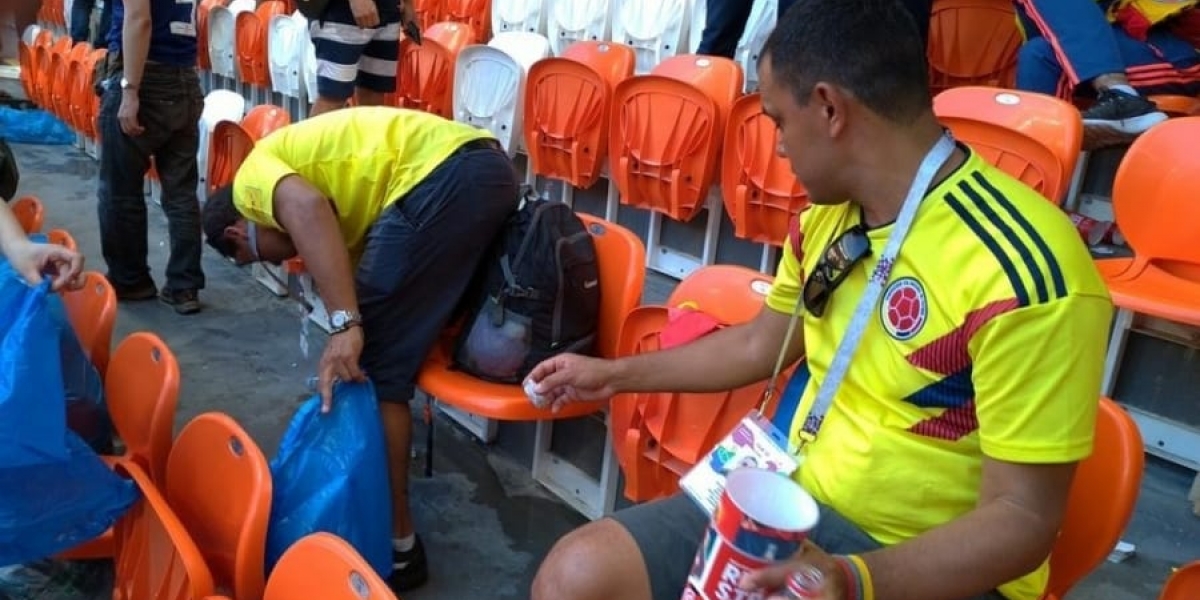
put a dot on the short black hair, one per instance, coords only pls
(219, 214)
(871, 48)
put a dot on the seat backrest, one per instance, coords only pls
(222, 40)
(567, 109)
(285, 55)
(425, 72)
(429, 12)
(82, 91)
(1183, 584)
(265, 119)
(519, 15)
(203, 59)
(229, 147)
(325, 566)
(246, 35)
(665, 132)
(973, 42)
(655, 30)
(476, 13)
(622, 259)
(577, 21)
(260, 74)
(219, 485)
(1033, 137)
(487, 91)
(1101, 500)
(154, 555)
(92, 311)
(141, 388)
(658, 436)
(1155, 189)
(759, 188)
(29, 212)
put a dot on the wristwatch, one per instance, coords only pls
(127, 85)
(342, 320)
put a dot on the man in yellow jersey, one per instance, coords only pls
(943, 464)
(391, 210)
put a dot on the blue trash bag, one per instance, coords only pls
(55, 492)
(33, 127)
(331, 475)
(87, 412)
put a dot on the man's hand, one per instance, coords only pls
(408, 14)
(339, 363)
(127, 115)
(774, 578)
(366, 14)
(571, 377)
(34, 260)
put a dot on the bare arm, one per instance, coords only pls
(723, 360)
(11, 233)
(1008, 534)
(135, 40)
(309, 219)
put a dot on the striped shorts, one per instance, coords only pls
(350, 56)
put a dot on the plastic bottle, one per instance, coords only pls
(807, 583)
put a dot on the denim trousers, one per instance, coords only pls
(170, 102)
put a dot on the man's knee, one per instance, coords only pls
(598, 561)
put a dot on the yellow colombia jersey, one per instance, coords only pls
(988, 340)
(363, 159)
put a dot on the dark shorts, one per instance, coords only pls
(421, 257)
(669, 531)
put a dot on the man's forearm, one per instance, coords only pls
(135, 45)
(722, 360)
(992, 545)
(11, 233)
(313, 227)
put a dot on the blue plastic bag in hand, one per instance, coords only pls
(55, 492)
(331, 475)
(32, 400)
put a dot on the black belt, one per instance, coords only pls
(479, 144)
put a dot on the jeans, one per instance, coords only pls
(81, 21)
(169, 110)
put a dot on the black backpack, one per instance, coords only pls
(539, 295)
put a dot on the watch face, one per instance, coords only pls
(338, 319)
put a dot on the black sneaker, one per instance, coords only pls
(410, 570)
(133, 293)
(185, 302)
(1117, 117)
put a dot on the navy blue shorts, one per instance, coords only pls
(421, 257)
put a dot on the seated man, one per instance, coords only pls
(391, 210)
(944, 462)
(1113, 49)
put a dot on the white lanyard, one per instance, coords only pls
(937, 156)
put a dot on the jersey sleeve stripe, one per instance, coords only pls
(1056, 272)
(1006, 264)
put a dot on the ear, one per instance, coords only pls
(236, 232)
(833, 104)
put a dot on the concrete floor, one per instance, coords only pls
(486, 524)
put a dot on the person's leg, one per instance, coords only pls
(1038, 69)
(174, 103)
(419, 260)
(105, 26)
(121, 204)
(339, 47)
(1165, 64)
(1081, 36)
(377, 67)
(724, 22)
(641, 553)
(81, 20)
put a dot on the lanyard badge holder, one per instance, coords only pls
(755, 442)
